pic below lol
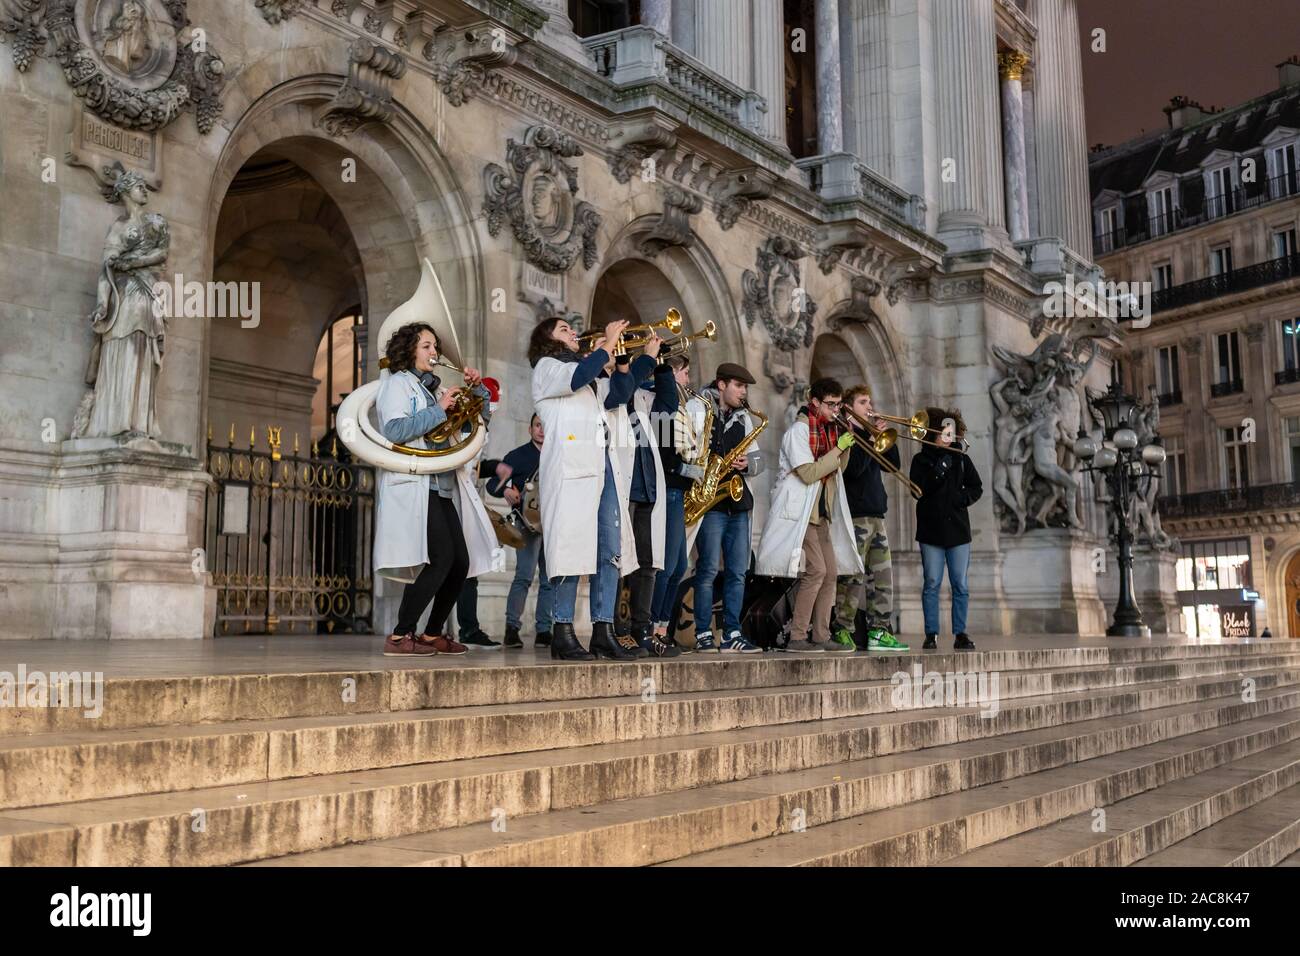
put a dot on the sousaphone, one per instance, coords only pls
(352, 421)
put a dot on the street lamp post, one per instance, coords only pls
(1122, 466)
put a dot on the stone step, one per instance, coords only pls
(1266, 834)
(129, 702)
(938, 830)
(1133, 829)
(649, 830)
(63, 768)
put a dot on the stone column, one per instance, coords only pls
(865, 71)
(1258, 368)
(970, 181)
(830, 102)
(769, 65)
(558, 33)
(658, 14)
(723, 39)
(1060, 137)
(1011, 67)
(683, 21)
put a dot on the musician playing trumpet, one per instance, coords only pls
(431, 529)
(573, 395)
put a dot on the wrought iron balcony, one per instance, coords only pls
(1220, 389)
(1238, 280)
(1211, 208)
(1170, 398)
(1227, 501)
(1286, 376)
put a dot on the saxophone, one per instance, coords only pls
(711, 489)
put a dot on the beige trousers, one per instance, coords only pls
(814, 596)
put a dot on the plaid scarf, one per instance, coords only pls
(822, 434)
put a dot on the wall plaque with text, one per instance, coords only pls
(96, 143)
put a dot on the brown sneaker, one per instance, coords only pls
(403, 645)
(439, 644)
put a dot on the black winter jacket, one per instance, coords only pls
(949, 485)
(863, 480)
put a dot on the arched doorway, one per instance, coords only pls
(325, 229)
(1292, 580)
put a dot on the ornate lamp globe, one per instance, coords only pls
(1153, 455)
(1126, 439)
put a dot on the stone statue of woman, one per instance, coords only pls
(127, 356)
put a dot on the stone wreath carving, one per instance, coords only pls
(775, 296)
(136, 63)
(536, 193)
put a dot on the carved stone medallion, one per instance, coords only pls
(537, 195)
(135, 63)
(775, 295)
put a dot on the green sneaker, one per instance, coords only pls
(879, 639)
(844, 640)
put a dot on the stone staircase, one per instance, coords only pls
(1148, 754)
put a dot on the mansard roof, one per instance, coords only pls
(1238, 130)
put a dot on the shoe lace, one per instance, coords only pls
(626, 640)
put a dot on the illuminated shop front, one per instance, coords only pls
(1215, 588)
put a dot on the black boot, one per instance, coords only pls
(565, 646)
(930, 642)
(652, 645)
(512, 641)
(605, 644)
(543, 639)
(963, 643)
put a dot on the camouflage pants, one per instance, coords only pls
(873, 590)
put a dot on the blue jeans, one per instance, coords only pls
(675, 557)
(723, 536)
(609, 547)
(933, 560)
(529, 560)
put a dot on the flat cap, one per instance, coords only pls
(730, 370)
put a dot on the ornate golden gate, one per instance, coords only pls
(289, 539)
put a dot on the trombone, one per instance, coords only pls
(918, 426)
(682, 345)
(635, 336)
(881, 440)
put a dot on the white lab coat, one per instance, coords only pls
(780, 550)
(402, 505)
(571, 474)
(623, 460)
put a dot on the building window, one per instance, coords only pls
(1221, 260)
(1174, 471)
(338, 369)
(1236, 458)
(1283, 243)
(1281, 171)
(1290, 349)
(1168, 386)
(594, 17)
(800, 79)
(1162, 277)
(1218, 192)
(1160, 203)
(1228, 375)
(1292, 430)
(1108, 229)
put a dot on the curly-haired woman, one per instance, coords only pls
(431, 531)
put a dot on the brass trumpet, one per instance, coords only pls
(682, 345)
(634, 336)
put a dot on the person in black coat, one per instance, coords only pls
(949, 485)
